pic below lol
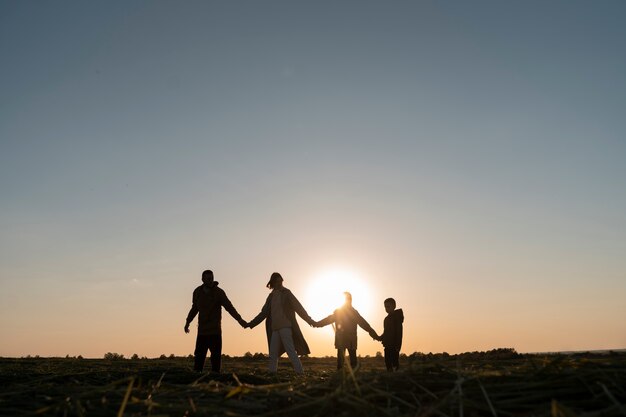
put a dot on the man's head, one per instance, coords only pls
(207, 276)
(390, 305)
(348, 298)
(276, 281)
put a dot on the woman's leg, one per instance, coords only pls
(274, 349)
(287, 338)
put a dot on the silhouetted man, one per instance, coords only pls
(208, 301)
(346, 319)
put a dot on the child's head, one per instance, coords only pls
(390, 305)
(348, 297)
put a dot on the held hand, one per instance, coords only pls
(243, 323)
(187, 328)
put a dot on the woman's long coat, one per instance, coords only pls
(291, 306)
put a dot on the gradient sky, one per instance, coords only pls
(466, 158)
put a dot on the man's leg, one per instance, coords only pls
(275, 344)
(215, 346)
(341, 353)
(286, 336)
(202, 345)
(352, 353)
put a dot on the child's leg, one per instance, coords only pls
(396, 359)
(352, 353)
(389, 359)
(341, 353)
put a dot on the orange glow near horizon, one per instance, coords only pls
(325, 293)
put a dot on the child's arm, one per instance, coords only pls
(325, 322)
(366, 326)
(398, 341)
(380, 338)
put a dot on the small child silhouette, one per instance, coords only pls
(392, 335)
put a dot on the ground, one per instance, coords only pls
(490, 384)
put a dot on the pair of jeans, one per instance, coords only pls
(341, 353)
(283, 338)
(212, 342)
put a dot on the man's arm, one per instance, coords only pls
(231, 309)
(366, 326)
(192, 312)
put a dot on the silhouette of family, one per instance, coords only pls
(282, 330)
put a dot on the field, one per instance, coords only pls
(487, 384)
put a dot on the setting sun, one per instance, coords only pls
(325, 293)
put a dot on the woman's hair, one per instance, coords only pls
(274, 279)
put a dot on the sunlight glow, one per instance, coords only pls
(325, 293)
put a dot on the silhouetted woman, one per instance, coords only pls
(283, 332)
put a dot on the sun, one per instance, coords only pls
(325, 292)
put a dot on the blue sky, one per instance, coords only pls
(466, 157)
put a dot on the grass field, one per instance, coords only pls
(437, 385)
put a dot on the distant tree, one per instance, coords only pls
(259, 356)
(162, 356)
(113, 356)
(247, 355)
(79, 357)
(135, 357)
(172, 356)
(379, 354)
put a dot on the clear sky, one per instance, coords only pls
(466, 158)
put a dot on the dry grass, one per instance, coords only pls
(558, 386)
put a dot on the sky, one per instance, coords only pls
(465, 158)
